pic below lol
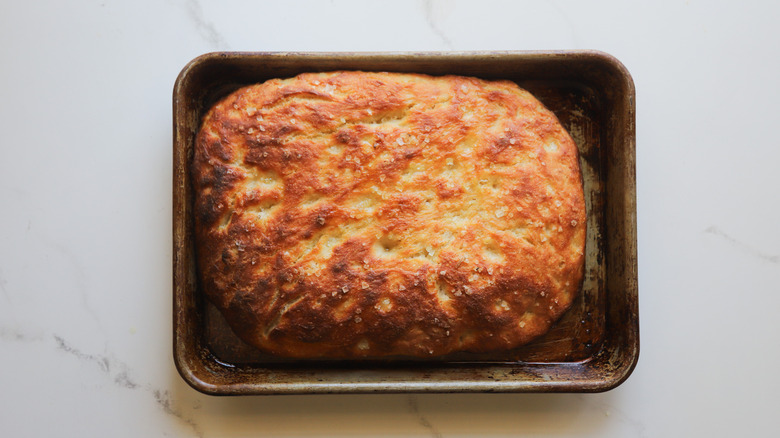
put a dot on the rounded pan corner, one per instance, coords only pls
(612, 64)
(192, 378)
(620, 374)
(197, 64)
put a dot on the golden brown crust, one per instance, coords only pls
(354, 214)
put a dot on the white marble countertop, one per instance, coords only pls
(85, 222)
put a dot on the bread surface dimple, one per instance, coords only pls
(355, 214)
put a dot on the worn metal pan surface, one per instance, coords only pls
(594, 347)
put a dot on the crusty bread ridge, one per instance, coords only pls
(357, 214)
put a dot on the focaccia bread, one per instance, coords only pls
(357, 214)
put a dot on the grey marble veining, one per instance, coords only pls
(85, 206)
(205, 27)
(741, 246)
(414, 408)
(433, 12)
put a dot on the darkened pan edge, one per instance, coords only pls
(609, 367)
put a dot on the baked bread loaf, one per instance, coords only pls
(356, 214)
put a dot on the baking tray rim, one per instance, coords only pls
(197, 368)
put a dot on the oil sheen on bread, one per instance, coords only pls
(358, 215)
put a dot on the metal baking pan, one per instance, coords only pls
(593, 348)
